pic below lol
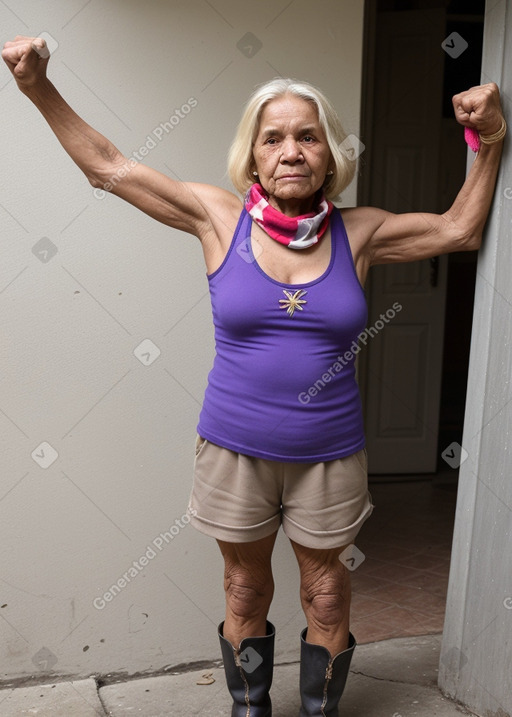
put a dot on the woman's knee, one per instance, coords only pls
(328, 608)
(248, 593)
(325, 590)
(248, 580)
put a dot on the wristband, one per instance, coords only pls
(472, 138)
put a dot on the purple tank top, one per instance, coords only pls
(283, 385)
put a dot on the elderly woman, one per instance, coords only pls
(285, 270)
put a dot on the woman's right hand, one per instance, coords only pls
(26, 58)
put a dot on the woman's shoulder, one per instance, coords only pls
(362, 222)
(365, 215)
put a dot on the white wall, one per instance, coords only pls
(124, 431)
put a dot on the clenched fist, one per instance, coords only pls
(479, 108)
(27, 58)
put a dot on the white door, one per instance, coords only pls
(404, 359)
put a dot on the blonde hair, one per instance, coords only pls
(240, 157)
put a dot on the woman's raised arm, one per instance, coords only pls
(190, 207)
(385, 237)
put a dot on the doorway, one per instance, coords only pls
(413, 374)
(400, 588)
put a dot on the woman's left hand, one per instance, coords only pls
(382, 237)
(479, 108)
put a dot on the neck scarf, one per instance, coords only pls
(295, 232)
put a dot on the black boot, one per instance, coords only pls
(322, 678)
(249, 673)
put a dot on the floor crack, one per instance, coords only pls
(389, 679)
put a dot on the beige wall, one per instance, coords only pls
(83, 281)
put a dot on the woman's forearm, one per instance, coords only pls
(478, 108)
(472, 204)
(89, 149)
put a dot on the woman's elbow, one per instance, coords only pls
(94, 181)
(105, 175)
(476, 243)
(106, 179)
(461, 237)
(471, 241)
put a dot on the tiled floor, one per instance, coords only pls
(400, 588)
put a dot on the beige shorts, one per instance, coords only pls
(238, 498)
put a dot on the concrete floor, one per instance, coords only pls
(389, 678)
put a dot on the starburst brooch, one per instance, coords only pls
(294, 301)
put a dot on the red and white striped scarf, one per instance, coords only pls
(295, 232)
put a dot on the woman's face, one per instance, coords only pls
(290, 152)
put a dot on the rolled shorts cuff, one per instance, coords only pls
(232, 533)
(326, 539)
